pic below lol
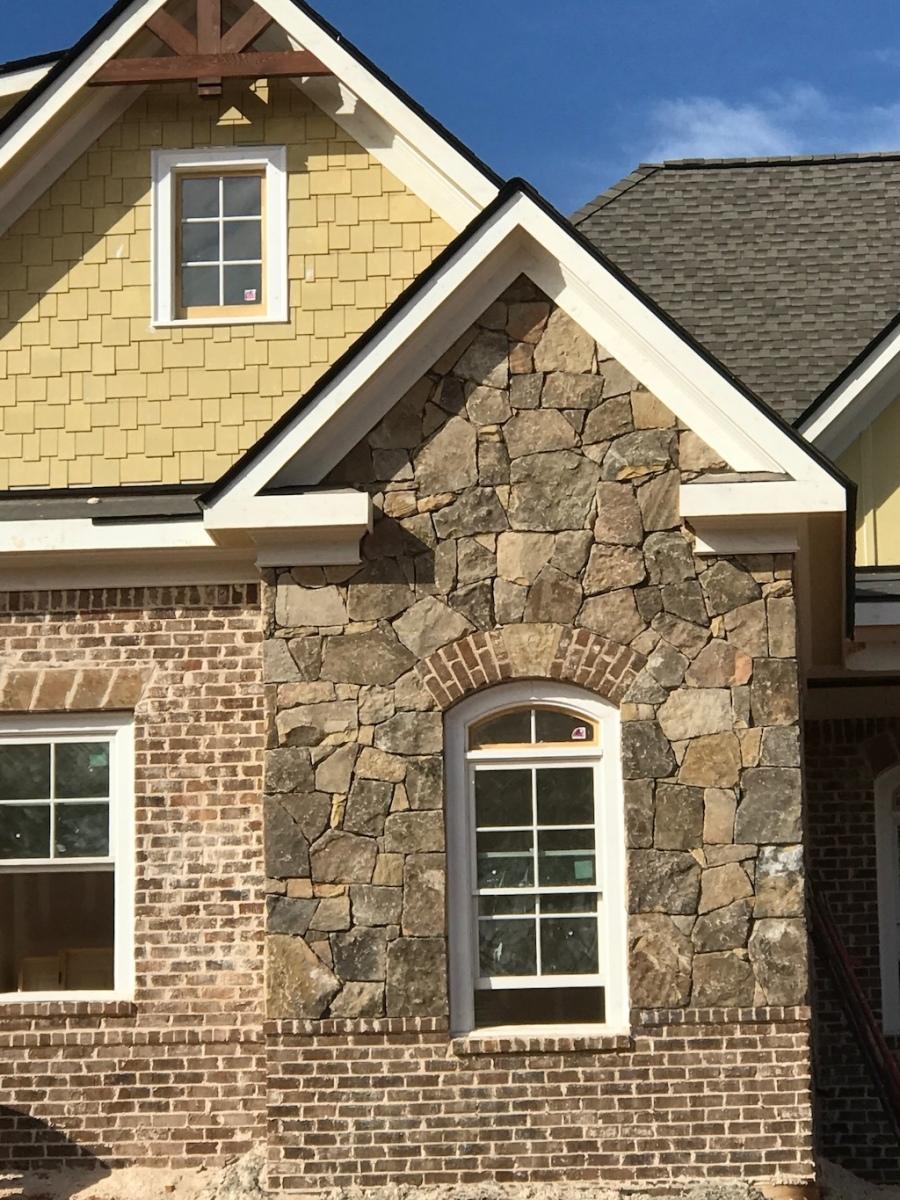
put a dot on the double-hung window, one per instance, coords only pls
(66, 858)
(220, 236)
(536, 845)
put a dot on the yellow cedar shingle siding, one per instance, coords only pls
(90, 393)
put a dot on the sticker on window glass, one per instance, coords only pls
(584, 868)
(580, 733)
(250, 295)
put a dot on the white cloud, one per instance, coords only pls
(797, 120)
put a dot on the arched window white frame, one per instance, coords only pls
(887, 836)
(554, 915)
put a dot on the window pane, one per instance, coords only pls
(503, 798)
(569, 946)
(243, 285)
(200, 287)
(511, 728)
(507, 948)
(553, 726)
(243, 240)
(570, 902)
(505, 860)
(243, 195)
(57, 931)
(82, 770)
(24, 772)
(82, 830)
(504, 906)
(199, 197)
(566, 857)
(24, 831)
(200, 242)
(539, 1006)
(565, 796)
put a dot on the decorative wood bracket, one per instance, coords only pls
(209, 56)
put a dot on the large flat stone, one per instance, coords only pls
(424, 878)
(696, 712)
(774, 694)
(779, 954)
(360, 954)
(722, 980)
(298, 984)
(417, 977)
(713, 761)
(646, 752)
(538, 430)
(564, 346)
(659, 962)
(298, 606)
(552, 492)
(447, 462)
(679, 817)
(663, 881)
(476, 511)
(368, 805)
(770, 811)
(339, 857)
(373, 657)
(428, 625)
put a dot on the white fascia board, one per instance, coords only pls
(82, 536)
(854, 405)
(521, 238)
(760, 499)
(310, 511)
(745, 535)
(17, 83)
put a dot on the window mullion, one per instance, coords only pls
(53, 800)
(222, 240)
(534, 850)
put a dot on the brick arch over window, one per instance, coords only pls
(576, 656)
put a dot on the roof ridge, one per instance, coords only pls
(638, 175)
(785, 160)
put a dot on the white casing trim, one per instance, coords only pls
(521, 238)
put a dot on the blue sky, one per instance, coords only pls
(572, 94)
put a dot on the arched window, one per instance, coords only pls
(536, 846)
(887, 832)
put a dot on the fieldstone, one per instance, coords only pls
(679, 817)
(522, 556)
(770, 808)
(649, 603)
(646, 452)
(286, 849)
(428, 625)
(295, 605)
(723, 980)
(571, 549)
(376, 703)
(552, 491)
(475, 603)
(310, 810)
(357, 1000)
(420, 832)
(780, 882)
(332, 915)
(695, 455)
(425, 783)
(369, 658)
(720, 807)
(639, 811)
(667, 665)
(660, 501)
(659, 962)
(417, 977)
(487, 406)
(724, 929)
(285, 914)
(614, 614)
(339, 857)
(644, 689)
(774, 694)
(278, 663)
(684, 635)
(695, 712)
(727, 587)
(307, 654)
(669, 558)
(401, 427)
(373, 905)
(475, 561)
(685, 600)
(719, 664)
(778, 952)
(312, 724)
(712, 761)
(746, 629)
(411, 733)
(299, 986)
(360, 954)
(526, 321)
(486, 361)
(646, 753)
(572, 392)
(618, 515)
(613, 567)
(367, 806)
(509, 602)
(334, 773)
(782, 620)
(553, 597)
(375, 764)
(564, 346)
(780, 746)
(663, 881)
(388, 871)
(525, 391)
(476, 511)
(608, 420)
(392, 465)
(536, 431)
(288, 770)
(376, 593)
(447, 461)
(493, 462)
(721, 886)
(617, 380)
(649, 412)
(424, 878)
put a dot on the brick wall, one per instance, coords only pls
(177, 1076)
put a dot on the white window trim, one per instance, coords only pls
(166, 164)
(886, 844)
(612, 836)
(120, 729)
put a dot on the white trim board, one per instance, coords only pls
(521, 237)
(17, 83)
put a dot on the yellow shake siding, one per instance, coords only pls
(872, 462)
(90, 393)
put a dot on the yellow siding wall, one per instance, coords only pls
(873, 463)
(90, 393)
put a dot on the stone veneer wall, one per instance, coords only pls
(527, 525)
(176, 1077)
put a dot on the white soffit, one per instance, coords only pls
(521, 237)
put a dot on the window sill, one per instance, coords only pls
(17, 1008)
(206, 322)
(538, 1040)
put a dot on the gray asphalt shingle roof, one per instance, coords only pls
(784, 269)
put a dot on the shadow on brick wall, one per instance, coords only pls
(31, 1151)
